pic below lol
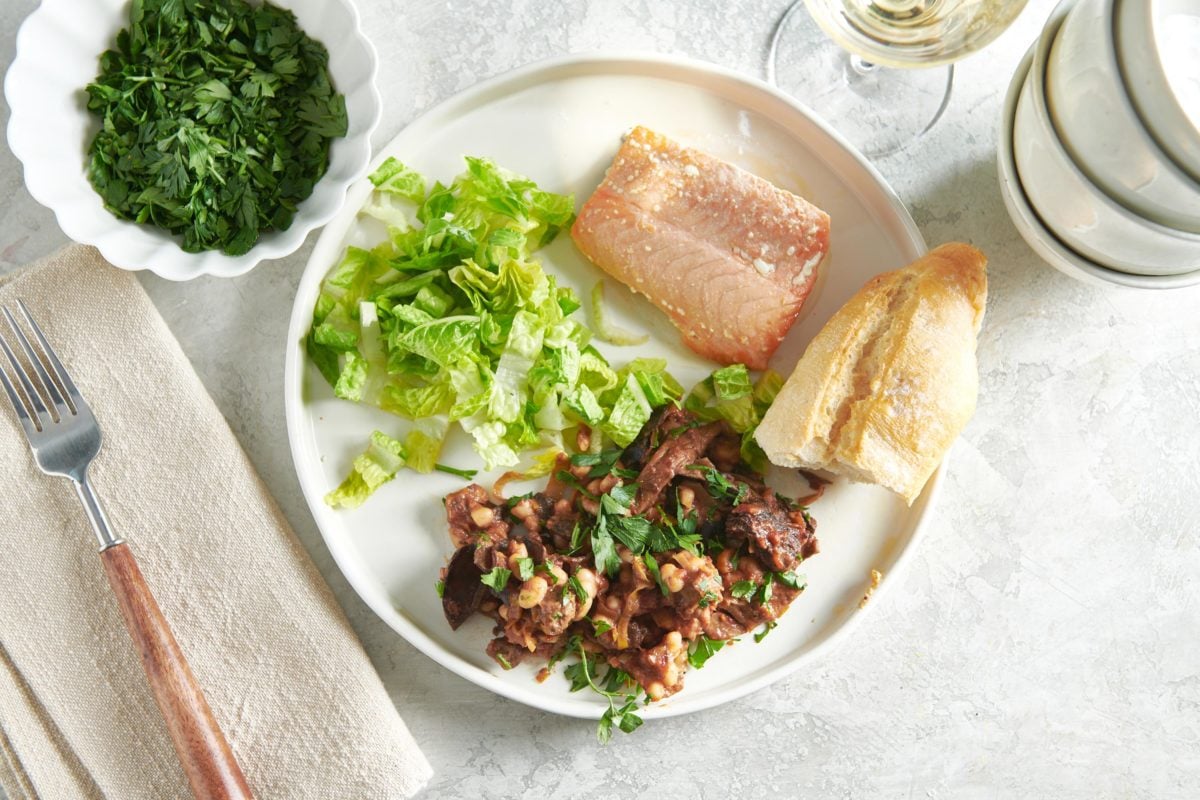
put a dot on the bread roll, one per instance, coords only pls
(890, 381)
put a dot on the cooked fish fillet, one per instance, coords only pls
(727, 255)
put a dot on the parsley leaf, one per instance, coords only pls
(742, 589)
(570, 480)
(468, 474)
(576, 588)
(703, 649)
(791, 580)
(600, 627)
(604, 550)
(496, 578)
(524, 568)
(631, 531)
(622, 496)
(652, 568)
(549, 573)
(601, 463)
(721, 487)
(770, 626)
(767, 590)
(440, 586)
(582, 675)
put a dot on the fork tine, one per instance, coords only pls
(35, 400)
(43, 377)
(60, 372)
(18, 404)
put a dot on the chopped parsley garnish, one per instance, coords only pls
(524, 568)
(503, 661)
(468, 474)
(216, 120)
(669, 536)
(720, 486)
(623, 495)
(652, 568)
(791, 579)
(611, 523)
(742, 589)
(576, 538)
(600, 627)
(767, 590)
(549, 573)
(440, 586)
(602, 464)
(576, 588)
(631, 531)
(707, 599)
(496, 578)
(512, 501)
(767, 628)
(703, 649)
(570, 480)
(582, 675)
(604, 550)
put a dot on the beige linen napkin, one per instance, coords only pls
(288, 681)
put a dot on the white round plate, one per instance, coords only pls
(560, 122)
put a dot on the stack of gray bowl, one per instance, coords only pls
(1100, 142)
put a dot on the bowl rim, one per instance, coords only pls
(1034, 231)
(1037, 84)
(1134, 124)
(1175, 122)
(38, 177)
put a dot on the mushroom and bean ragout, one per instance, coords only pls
(647, 558)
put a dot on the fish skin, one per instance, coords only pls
(686, 229)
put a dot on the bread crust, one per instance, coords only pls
(887, 385)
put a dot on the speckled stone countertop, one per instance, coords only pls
(1045, 640)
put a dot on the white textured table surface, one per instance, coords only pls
(1045, 641)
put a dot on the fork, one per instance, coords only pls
(65, 437)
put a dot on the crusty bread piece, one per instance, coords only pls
(887, 385)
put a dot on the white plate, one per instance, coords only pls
(560, 123)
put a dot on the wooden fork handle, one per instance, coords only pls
(208, 762)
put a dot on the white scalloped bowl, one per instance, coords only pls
(49, 130)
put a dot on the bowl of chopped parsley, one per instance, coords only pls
(192, 137)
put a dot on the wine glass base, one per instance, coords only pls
(880, 110)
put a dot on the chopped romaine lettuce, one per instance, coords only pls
(451, 320)
(605, 330)
(728, 394)
(376, 466)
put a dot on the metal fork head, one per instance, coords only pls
(61, 429)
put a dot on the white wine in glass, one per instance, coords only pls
(879, 69)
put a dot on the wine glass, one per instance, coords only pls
(880, 70)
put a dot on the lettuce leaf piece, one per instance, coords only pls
(442, 341)
(606, 331)
(423, 444)
(382, 459)
(583, 403)
(630, 411)
(352, 379)
(728, 394)
(418, 402)
(732, 382)
(393, 177)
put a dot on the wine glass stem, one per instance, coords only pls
(861, 65)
